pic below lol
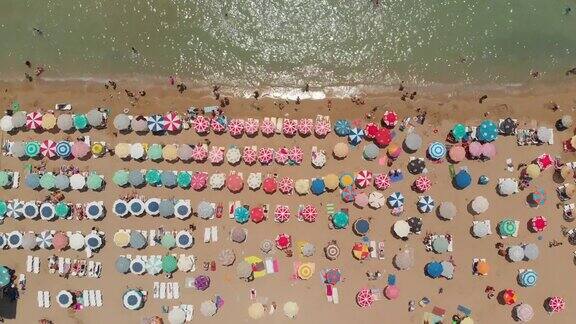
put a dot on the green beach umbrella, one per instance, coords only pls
(155, 152)
(183, 179)
(80, 121)
(168, 241)
(4, 178)
(507, 227)
(32, 148)
(47, 181)
(340, 219)
(459, 131)
(62, 209)
(3, 208)
(120, 177)
(94, 181)
(169, 263)
(152, 177)
(4, 276)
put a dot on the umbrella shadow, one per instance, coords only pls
(407, 149)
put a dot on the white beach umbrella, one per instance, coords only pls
(76, 241)
(376, 199)
(566, 121)
(64, 298)
(233, 155)
(254, 180)
(15, 239)
(480, 229)
(401, 228)
(205, 210)
(64, 122)
(480, 204)
(413, 141)
(77, 181)
(30, 210)
(176, 316)
(6, 123)
(217, 180)
(404, 260)
(94, 210)
(516, 253)
(208, 308)
(291, 309)
(137, 151)
(544, 134)
(185, 263)
(508, 187)
(121, 122)
(531, 251)
(95, 117)
(447, 210)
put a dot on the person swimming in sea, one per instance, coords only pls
(38, 31)
(567, 11)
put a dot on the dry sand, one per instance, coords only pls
(530, 105)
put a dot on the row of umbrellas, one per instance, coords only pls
(32, 209)
(135, 239)
(56, 149)
(50, 239)
(157, 264)
(37, 121)
(180, 208)
(61, 181)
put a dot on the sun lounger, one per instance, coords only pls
(15, 180)
(90, 270)
(29, 261)
(162, 290)
(335, 297)
(329, 293)
(97, 269)
(374, 252)
(92, 294)
(207, 234)
(214, 234)
(86, 297)
(438, 311)
(36, 265)
(464, 310)
(176, 290)
(98, 298)
(169, 290)
(156, 290)
(40, 299)
(189, 313)
(46, 299)
(60, 266)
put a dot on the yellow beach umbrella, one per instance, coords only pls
(302, 186)
(331, 181)
(291, 309)
(306, 270)
(346, 180)
(256, 311)
(566, 172)
(573, 141)
(121, 239)
(97, 149)
(122, 150)
(533, 171)
(467, 320)
(48, 121)
(341, 150)
(252, 259)
(170, 152)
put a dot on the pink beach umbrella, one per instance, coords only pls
(281, 156)
(382, 181)
(545, 161)
(48, 148)
(290, 127)
(363, 178)
(282, 213)
(251, 126)
(489, 150)
(216, 126)
(216, 155)
(457, 153)
(296, 154)
(249, 155)
(34, 120)
(234, 183)
(265, 155)
(423, 183)
(390, 118)
(309, 213)
(475, 149)
(556, 304)
(269, 185)
(392, 292)
(322, 127)
(305, 126)
(199, 153)
(364, 298)
(370, 130)
(286, 185)
(172, 122)
(236, 127)
(267, 127)
(80, 149)
(199, 180)
(361, 200)
(201, 124)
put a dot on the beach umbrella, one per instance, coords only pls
(120, 208)
(257, 214)
(152, 206)
(364, 298)
(76, 241)
(32, 149)
(482, 267)
(383, 137)
(462, 179)
(251, 126)
(524, 312)
(390, 118)
(508, 187)
(217, 180)
(305, 270)
(5, 178)
(332, 276)
(332, 251)
(120, 177)
(348, 194)
(507, 227)
(283, 241)
(94, 117)
(238, 235)
(488, 150)
(538, 197)
(331, 181)
(376, 199)
(360, 251)
(63, 149)
(404, 260)
(371, 151)
(48, 148)
(199, 180)
(363, 178)
(122, 150)
(440, 244)
(34, 120)
(136, 206)
(302, 186)
(166, 208)
(305, 126)
(346, 180)
(413, 141)
(340, 150)
(281, 156)
(447, 269)
(169, 264)
(308, 249)
(249, 155)
(172, 121)
(19, 119)
(60, 241)
(458, 132)
(155, 123)
(556, 304)
(393, 151)
(94, 210)
(322, 127)
(566, 121)
(437, 150)
(382, 181)
(528, 278)
(256, 311)
(29, 241)
(447, 210)
(289, 126)
(566, 172)
(282, 213)
(480, 204)
(395, 200)
(487, 131)
(98, 149)
(291, 309)
(318, 186)
(152, 177)
(136, 240)
(216, 155)
(296, 155)
(309, 213)
(182, 209)
(65, 298)
(416, 166)
(32, 180)
(133, 299)
(270, 185)
(18, 149)
(286, 185)
(93, 241)
(154, 152)
(139, 124)
(201, 124)
(457, 153)
(227, 257)
(14, 239)
(361, 200)
(361, 226)
(415, 224)
(234, 183)
(6, 123)
(3, 209)
(266, 246)
(183, 179)
(508, 126)
(516, 253)
(45, 239)
(121, 122)
(340, 219)
(48, 181)
(401, 228)
(80, 149)
(80, 121)
(391, 292)
(544, 134)
(267, 127)
(208, 308)
(205, 210)
(355, 136)
(434, 269)
(94, 181)
(423, 183)
(202, 282)
(47, 211)
(200, 153)
(265, 155)
(154, 265)
(531, 251)
(15, 209)
(342, 127)
(184, 152)
(64, 122)
(538, 223)
(241, 214)
(236, 127)
(168, 179)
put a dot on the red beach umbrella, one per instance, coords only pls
(370, 130)
(390, 118)
(269, 185)
(48, 148)
(172, 121)
(198, 181)
(283, 241)
(363, 178)
(539, 223)
(545, 161)
(509, 297)
(234, 183)
(383, 137)
(392, 292)
(257, 214)
(60, 241)
(34, 120)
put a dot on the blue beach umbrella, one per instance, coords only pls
(487, 131)
(434, 269)
(152, 206)
(318, 186)
(155, 123)
(355, 136)
(94, 210)
(437, 150)
(47, 211)
(168, 179)
(120, 208)
(342, 127)
(32, 180)
(30, 209)
(63, 149)
(462, 179)
(528, 278)
(241, 214)
(425, 204)
(361, 226)
(348, 194)
(395, 200)
(166, 208)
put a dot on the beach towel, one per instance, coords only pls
(330, 209)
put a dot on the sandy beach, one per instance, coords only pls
(530, 104)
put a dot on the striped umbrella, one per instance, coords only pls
(34, 120)
(423, 183)
(155, 123)
(556, 304)
(32, 149)
(15, 209)
(44, 240)
(172, 121)
(425, 204)
(396, 200)
(528, 278)
(282, 213)
(48, 148)
(63, 149)
(355, 136)
(437, 150)
(539, 197)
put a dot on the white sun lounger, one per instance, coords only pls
(29, 261)
(189, 313)
(156, 290)
(207, 234)
(15, 180)
(61, 265)
(176, 290)
(36, 264)
(151, 240)
(335, 297)
(98, 298)
(374, 252)
(92, 298)
(214, 234)
(46, 299)
(86, 297)
(40, 299)
(162, 290)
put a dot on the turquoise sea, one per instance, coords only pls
(291, 42)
